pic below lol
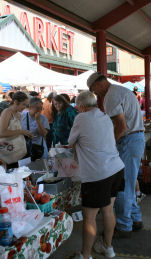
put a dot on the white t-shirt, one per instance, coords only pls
(93, 134)
(121, 100)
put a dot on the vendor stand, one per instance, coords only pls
(52, 230)
(43, 242)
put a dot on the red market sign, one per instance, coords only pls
(65, 37)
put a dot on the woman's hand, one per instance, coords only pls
(27, 133)
(37, 116)
(41, 130)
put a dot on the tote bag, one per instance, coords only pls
(18, 144)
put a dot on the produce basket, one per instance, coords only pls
(146, 169)
(46, 207)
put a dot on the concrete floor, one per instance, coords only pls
(75, 240)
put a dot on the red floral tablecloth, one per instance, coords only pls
(42, 243)
(69, 198)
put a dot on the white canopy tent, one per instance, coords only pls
(19, 70)
(81, 81)
(142, 82)
(114, 82)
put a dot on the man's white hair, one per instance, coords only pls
(86, 98)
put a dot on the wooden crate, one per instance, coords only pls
(146, 169)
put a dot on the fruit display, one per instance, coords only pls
(40, 198)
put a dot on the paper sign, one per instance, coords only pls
(40, 188)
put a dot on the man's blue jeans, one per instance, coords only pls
(131, 148)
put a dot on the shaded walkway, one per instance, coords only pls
(74, 242)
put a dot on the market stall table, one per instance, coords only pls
(43, 241)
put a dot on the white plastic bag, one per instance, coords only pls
(56, 150)
(66, 165)
(23, 221)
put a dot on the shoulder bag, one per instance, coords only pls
(35, 151)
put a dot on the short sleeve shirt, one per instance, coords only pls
(121, 100)
(62, 125)
(33, 127)
(93, 136)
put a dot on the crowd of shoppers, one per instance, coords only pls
(42, 122)
(109, 144)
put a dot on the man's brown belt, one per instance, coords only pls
(137, 131)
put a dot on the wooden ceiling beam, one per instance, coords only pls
(147, 51)
(141, 12)
(118, 14)
(123, 45)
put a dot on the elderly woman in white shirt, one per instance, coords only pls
(101, 172)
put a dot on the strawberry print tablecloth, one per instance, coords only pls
(69, 198)
(42, 243)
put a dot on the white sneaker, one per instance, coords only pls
(140, 197)
(99, 248)
(79, 256)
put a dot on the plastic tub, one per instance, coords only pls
(46, 207)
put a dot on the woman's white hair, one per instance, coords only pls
(87, 99)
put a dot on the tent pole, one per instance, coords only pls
(147, 85)
(101, 58)
(101, 52)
